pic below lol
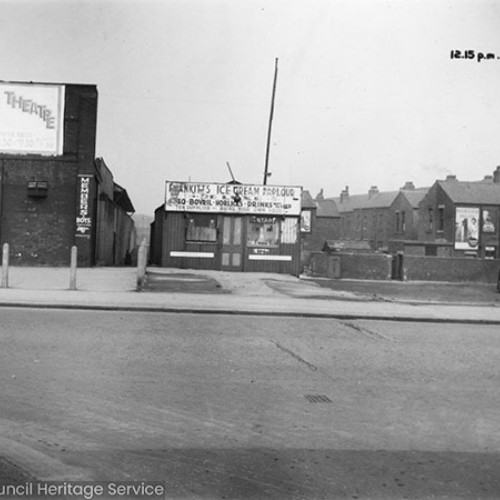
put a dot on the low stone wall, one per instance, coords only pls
(450, 269)
(351, 265)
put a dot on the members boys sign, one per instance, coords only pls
(31, 119)
(232, 198)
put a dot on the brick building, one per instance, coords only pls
(320, 222)
(461, 218)
(53, 192)
(377, 216)
(404, 211)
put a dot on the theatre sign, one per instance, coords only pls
(232, 198)
(31, 118)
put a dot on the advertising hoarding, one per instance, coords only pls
(466, 228)
(232, 198)
(31, 119)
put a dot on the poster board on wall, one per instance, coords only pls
(466, 228)
(31, 118)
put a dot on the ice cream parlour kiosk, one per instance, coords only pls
(230, 227)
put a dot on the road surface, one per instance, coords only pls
(243, 407)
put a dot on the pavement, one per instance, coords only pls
(218, 292)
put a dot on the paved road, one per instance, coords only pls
(252, 407)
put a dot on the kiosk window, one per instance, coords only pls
(263, 232)
(201, 227)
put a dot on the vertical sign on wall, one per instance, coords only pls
(85, 219)
(83, 215)
(31, 118)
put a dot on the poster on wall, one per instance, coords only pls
(489, 225)
(31, 119)
(232, 198)
(305, 221)
(466, 228)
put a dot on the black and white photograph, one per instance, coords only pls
(250, 249)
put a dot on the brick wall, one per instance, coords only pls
(40, 231)
(450, 269)
(352, 265)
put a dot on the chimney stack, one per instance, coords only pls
(451, 177)
(496, 175)
(373, 191)
(409, 186)
(320, 196)
(344, 195)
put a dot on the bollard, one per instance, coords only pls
(5, 266)
(141, 266)
(72, 269)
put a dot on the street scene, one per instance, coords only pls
(250, 250)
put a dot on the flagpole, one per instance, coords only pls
(271, 114)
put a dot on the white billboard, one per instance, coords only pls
(232, 198)
(31, 118)
(466, 228)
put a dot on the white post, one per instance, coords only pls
(5, 266)
(72, 271)
(141, 265)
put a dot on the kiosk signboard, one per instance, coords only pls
(232, 198)
(31, 119)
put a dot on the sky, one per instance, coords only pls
(367, 92)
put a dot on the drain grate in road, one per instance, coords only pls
(317, 398)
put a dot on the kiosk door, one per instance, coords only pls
(232, 247)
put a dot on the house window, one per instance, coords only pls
(440, 220)
(490, 252)
(430, 218)
(397, 222)
(263, 232)
(201, 227)
(403, 221)
(430, 250)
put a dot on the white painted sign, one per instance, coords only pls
(232, 198)
(83, 218)
(31, 119)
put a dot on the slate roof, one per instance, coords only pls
(480, 192)
(353, 202)
(327, 208)
(307, 200)
(415, 196)
(121, 198)
(382, 199)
